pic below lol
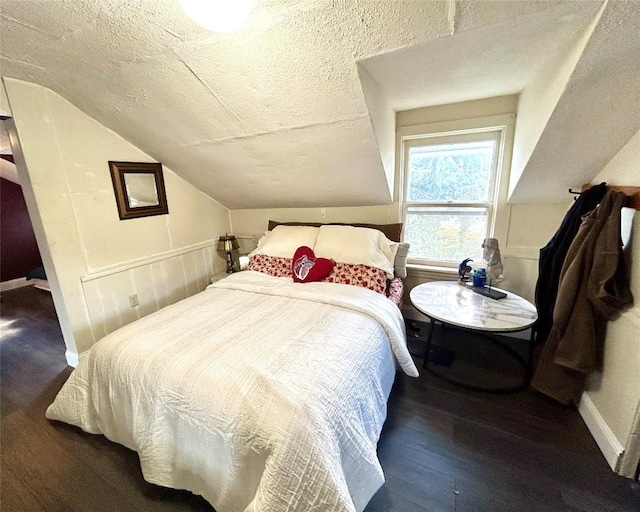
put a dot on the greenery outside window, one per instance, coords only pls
(450, 194)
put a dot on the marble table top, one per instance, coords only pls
(457, 304)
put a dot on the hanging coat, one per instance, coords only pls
(553, 254)
(594, 286)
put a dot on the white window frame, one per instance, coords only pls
(501, 128)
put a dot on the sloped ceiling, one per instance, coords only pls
(274, 115)
(597, 114)
(490, 60)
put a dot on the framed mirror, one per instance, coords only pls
(139, 189)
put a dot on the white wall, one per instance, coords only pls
(530, 227)
(383, 121)
(615, 390)
(96, 260)
(254, 221)
(458, 111)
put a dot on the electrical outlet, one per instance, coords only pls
(133, 300)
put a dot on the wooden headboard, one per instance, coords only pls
(392, 231)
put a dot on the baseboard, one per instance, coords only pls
(72, 358)
(41, 284)
(14, 283)
(606, 441)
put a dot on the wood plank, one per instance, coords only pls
(51, 473)
(16, 495)
(632, 192)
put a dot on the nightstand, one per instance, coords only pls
(449, 303)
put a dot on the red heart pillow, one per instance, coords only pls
(306, 268)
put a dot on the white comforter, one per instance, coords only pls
(258, 394)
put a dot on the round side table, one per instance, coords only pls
(449, 302)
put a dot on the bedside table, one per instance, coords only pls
(449, 303)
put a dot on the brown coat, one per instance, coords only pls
(594, 286)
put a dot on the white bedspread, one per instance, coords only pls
(259, 394)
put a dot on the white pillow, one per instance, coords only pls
(359, 246)
(284, 240)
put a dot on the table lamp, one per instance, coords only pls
(228, 244)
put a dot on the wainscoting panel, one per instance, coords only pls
(157, 282)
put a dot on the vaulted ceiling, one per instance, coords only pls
(294, 108)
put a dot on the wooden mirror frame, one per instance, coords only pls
(118, 172)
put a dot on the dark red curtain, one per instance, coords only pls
(18, 249)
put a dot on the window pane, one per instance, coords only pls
(451, 172)
(446, 234)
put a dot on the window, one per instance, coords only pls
(449, 196)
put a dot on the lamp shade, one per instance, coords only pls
(227, 243)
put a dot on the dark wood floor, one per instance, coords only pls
(442, 448)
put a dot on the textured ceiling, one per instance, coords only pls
(274, 115)
(504, 59)
(597, 114)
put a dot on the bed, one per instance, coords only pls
(260, 393)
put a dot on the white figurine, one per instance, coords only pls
(491, 254)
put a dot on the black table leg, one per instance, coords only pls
(427, 350)
(527, 365)
(532, 345)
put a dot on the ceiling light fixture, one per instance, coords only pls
(218, 15)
